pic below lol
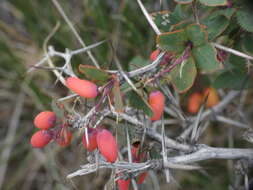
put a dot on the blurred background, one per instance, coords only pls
(24, 25)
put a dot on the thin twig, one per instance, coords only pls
(60, 9)
(235, 52)
(149, 19)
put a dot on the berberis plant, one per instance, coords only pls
(203, 52)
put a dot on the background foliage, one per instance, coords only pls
(23, 29)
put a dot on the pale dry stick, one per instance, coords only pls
(168, 93)
(60, 9)
(41, 62)
(50, 63)
(128, 146)
(195, 11)
(154, 180)
(231, 122)
(153, 134)
(205, 152)
(53, 53)
(235, 52)
(146, 68)
(175, 104)
(101, 118)
(82, 50)
(149, 19)
(202, 129)
(177, 162)
(123, 166)
(170, 112)
(128, 80)
(164, 153)
(10, 137)
(166, 122)
(196, 124)
(246, 182)
(67, 97)
(134, 184)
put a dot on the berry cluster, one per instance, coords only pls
(46, 122)
(209, 96)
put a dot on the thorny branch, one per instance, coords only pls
(187, 154)
(181, 162)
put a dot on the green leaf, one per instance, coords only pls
(94, 74)
(181, 25)
(172, 41)
(138, 62)
(247, 43)
(179, 14)
(183, 75)
(237, 62)
(205, 58)
(139, 102)
(215, 25)
(162, 20)
(232, 80)
(196, 34)
(228, 13)
(244, 19)
(183, 1)
(214, 3)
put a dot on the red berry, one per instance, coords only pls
(142, 177)
(123, 184)
(137, 155)
(40, 139)
(82, 87)
(154, 55)
(64, 137)
(212, 97)
(92, 138)
(194, 102)
(45, 120)
(157, 102)
(107, 145)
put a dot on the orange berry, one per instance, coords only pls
(45, 120)
(107, 145)
(82, 87)
(142, 177)
(64, 138)
(40, 139)
(194, 102)
(154, 55)
(92, 137)
(123, 184)
(157, 102)
(213, 97)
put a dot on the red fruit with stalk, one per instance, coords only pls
(157, 102)
(45, 120)
(107, 145)
(92, 139)
(154, 55)
(194, 102)
(40, 139)
(123, 184)
(137, 157)
(82, 87)
(64, 137)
